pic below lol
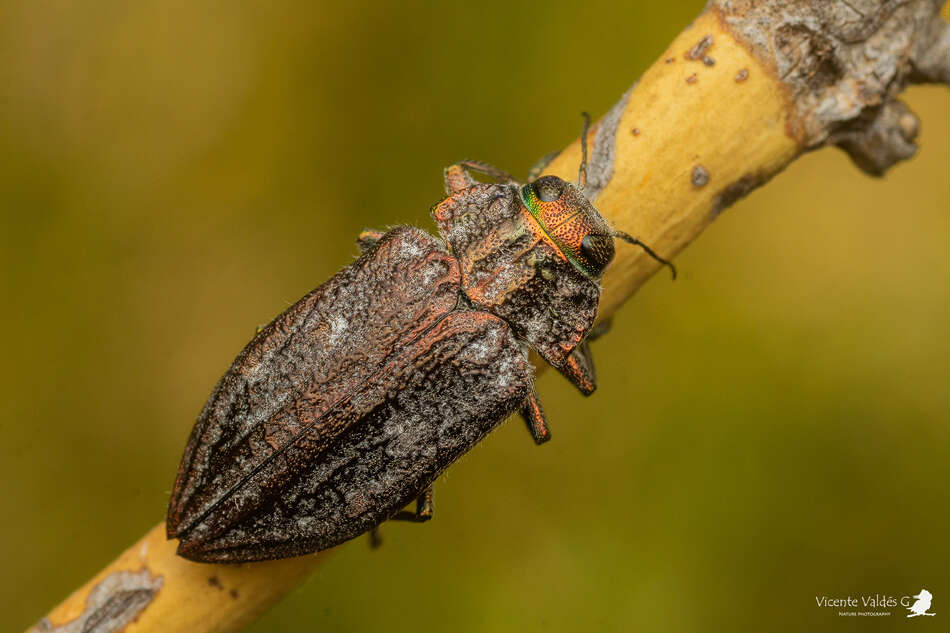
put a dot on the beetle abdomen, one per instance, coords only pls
(442, 395)
(344, 408)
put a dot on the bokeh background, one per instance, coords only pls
(771, 427)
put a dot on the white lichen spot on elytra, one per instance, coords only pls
(485, 347)
(410, 250)
(338, 327)
(507, 372)
(432, 272)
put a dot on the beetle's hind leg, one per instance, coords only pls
(423, 509)
(422, 514)
(533, 416)
(579, 366)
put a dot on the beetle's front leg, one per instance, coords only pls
(368, 238)
(579, 369)
(542, 163)
(458, 176)
(579, 366)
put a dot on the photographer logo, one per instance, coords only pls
(922, 605)
(878, 605)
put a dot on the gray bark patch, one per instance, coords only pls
(112, 604)
(600, 167)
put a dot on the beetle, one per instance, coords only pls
(348, 406)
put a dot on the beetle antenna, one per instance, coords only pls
(582, 170)
(626, 237)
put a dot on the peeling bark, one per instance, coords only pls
(843, 64)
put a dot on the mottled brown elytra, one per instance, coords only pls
(349, 405)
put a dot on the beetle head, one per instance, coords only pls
(573, 224)
(571, 221)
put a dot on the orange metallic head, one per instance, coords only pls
(571, 221)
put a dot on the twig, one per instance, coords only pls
(742, 92)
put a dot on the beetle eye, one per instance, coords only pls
(548, 189)
(598, 250)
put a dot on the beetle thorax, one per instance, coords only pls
(512, 267)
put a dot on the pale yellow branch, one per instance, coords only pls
(183, 596)
(728, 121)
(698, 132)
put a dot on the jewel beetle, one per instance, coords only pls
(348, 406)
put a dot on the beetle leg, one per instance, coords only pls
(539, 166)
(458, 175)
(375, 538)
(422, 514)
(456, 179)
(579, 369)
(579, 366)
(423, 509)
(367, 238)
(424, 506)
(599, 330)
(533, 416)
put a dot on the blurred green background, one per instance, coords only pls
(771, 427)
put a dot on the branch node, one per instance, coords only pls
(886, 138)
